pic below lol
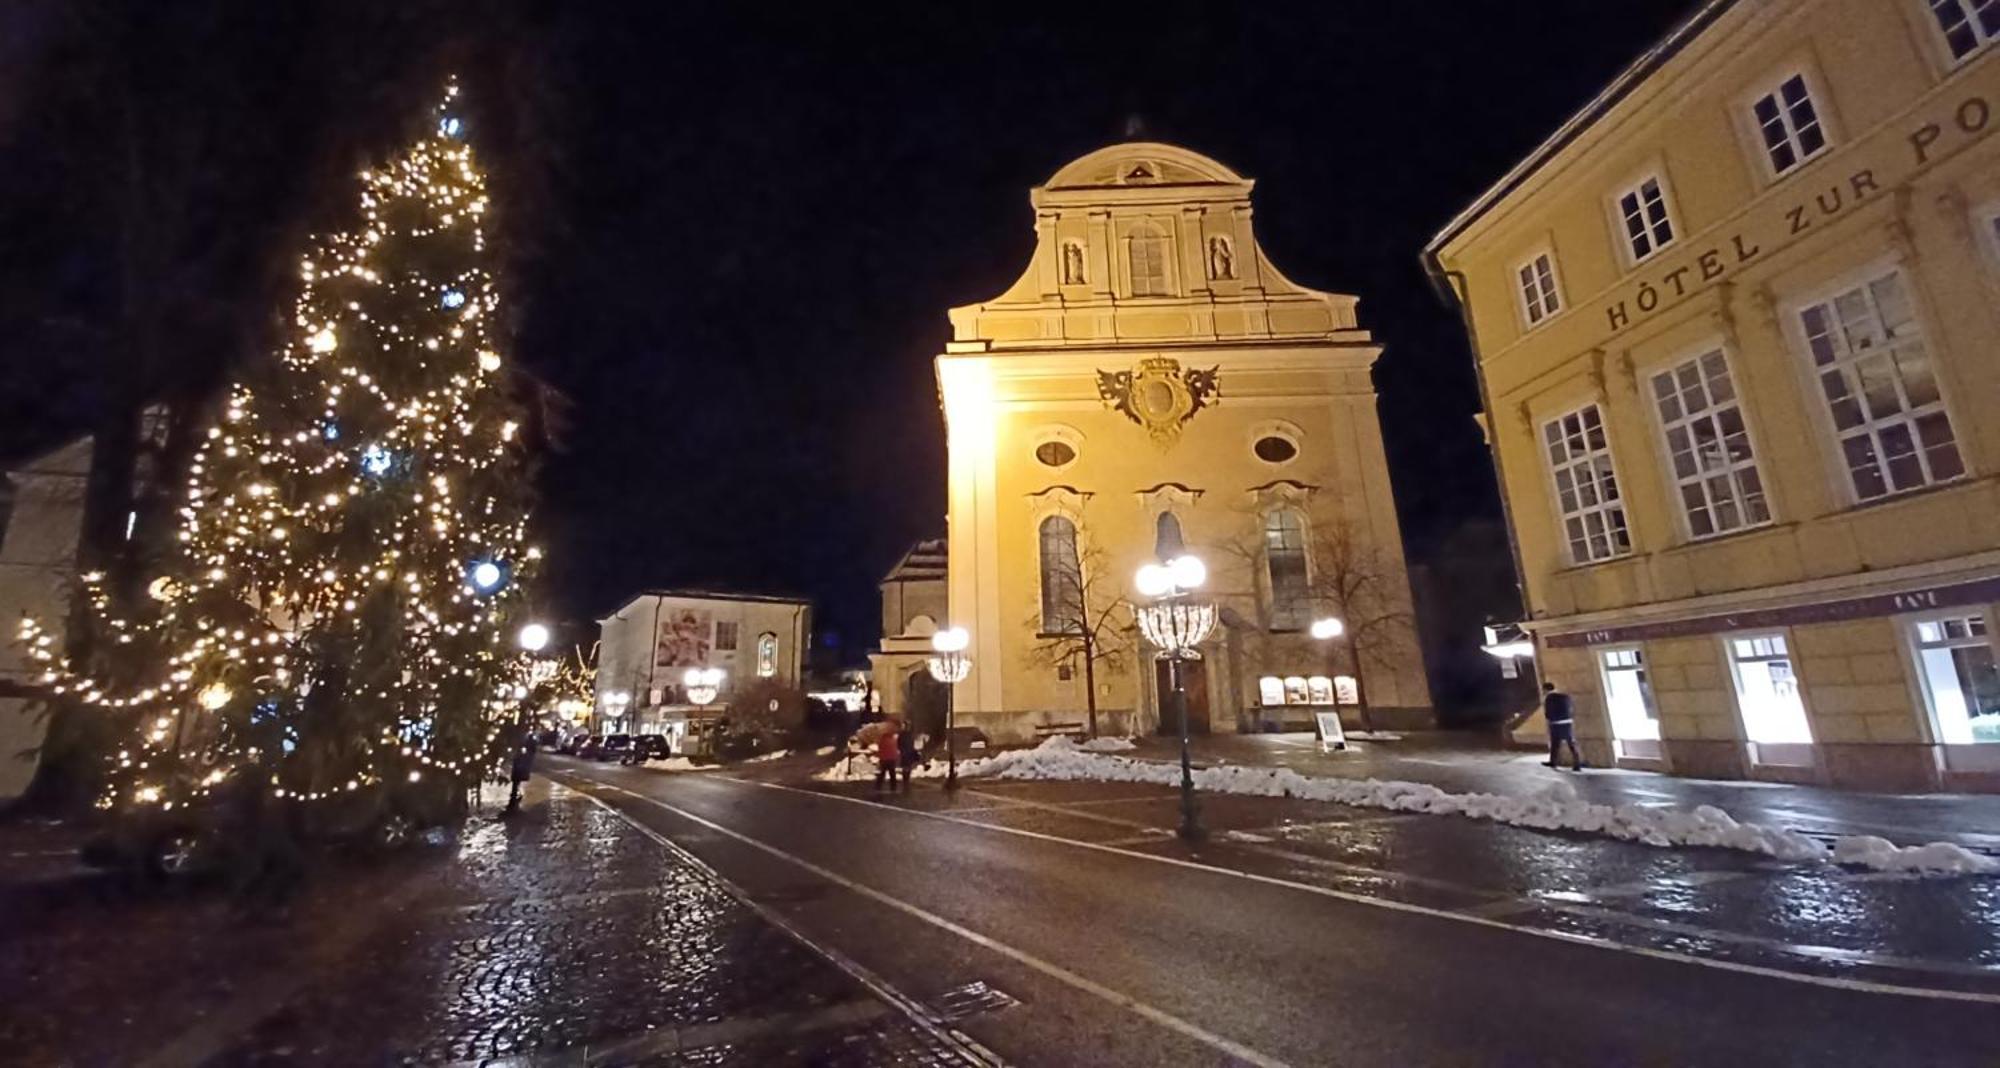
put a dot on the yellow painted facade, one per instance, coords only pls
(1791, 209)
(1146, 266)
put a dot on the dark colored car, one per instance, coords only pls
(208, 834)
(587, 746)
(571, 744)
(614, 747)
(648, 747)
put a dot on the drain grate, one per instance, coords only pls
(973, 999)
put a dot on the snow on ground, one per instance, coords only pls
(1372, 736)
(776, 754)
(1108, 745)
(1554, 808)
(679, 763)
(862, 769)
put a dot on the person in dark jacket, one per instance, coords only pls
(524, 766)
(1561, 715)
(907, 754)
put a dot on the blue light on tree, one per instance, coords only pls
(487, 575)
(376, 461)
(331, 431)
(450, 126)
(454, 298)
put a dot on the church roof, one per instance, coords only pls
(1142, 163)
(924, 562)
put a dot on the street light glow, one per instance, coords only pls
(1187, 572)
(951, 640)
(1153, 580)
(1328, 628)
(534, 637)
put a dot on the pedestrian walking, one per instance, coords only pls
(907, 754)
(524, 766)
(888, 752)
(1560, 713)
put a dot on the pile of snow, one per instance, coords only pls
(679, 763)
(861, 768)
(825, 750)
(1372, 736)
(1554, 808)
(776, 754)
(1108, 745)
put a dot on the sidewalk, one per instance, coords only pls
(1465, 762)
(561, 936)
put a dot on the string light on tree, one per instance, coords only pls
(310, 626)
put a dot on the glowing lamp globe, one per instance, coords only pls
(1153, 580)
(487, 576)
(1324, 629)
(951, 640)
(702, 684)
(534, 637)
(1187, 572)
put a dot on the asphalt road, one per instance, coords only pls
(1123, 948)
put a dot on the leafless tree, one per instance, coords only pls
(1348, 577)
(1088, 625)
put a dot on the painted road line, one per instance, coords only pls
(1136, 825)
(1863, 986)
(1054, 971)
(910, 1007)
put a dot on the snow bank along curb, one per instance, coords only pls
(1555, 808)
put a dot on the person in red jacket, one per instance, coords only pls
(887, 752)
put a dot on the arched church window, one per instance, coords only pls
(1285, 558)
(1149, 261)
(1062, 577)
(1167, 542)
(767, 655)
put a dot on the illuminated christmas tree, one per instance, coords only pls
(354, 533)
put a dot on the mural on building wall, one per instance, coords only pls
(685, 637)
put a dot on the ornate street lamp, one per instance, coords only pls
(1327, 629)
(1176, 623)
(702, 684)
(950, 666)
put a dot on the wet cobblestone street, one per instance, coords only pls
(562, 935)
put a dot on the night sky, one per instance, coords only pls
(734, 230)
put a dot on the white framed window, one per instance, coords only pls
(1296, 692)
(1708, 447)
(1536, 282)
(1642, 211)
(767, 655)
(1967, 25)
(1628, 701)
(1148, 256)
(1270, 691)
(1346, 690)
(1955, 666)
(1874, 370)
(1767, 690)
(1587, 499)
(725, 637)
(1788, 123)
(1285, 566)
(1062, 577)
(1320, 689)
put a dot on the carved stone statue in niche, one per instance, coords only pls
(1221, 258)
(1072, 263)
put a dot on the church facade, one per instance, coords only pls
(1153, 385)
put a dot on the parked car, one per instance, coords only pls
(587, 747)
(614, 747)
(648, 747)
(206, 835)
(571, 744)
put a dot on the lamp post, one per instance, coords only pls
(950, 666)
(614, 705)
(702, 684)
(1176, 623)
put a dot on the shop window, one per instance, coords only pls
(1628, 696)
(1587, 498)
(1967, 25)
(767, 655)
(1955, 659)
(1875, 372)
(1320, 689)
(1767, 691)
(1346, 690)
(1708, 447)
(1270, 691)
(1285, 562)
(1296, 692)
(725, 637)
(1537, 281)
(1788, 124)
(1643, 210)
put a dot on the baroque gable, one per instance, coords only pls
(1147, 244)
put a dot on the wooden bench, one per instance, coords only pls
(1045, 731)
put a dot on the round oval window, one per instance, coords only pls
(1055, 453)
(1274, 449)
